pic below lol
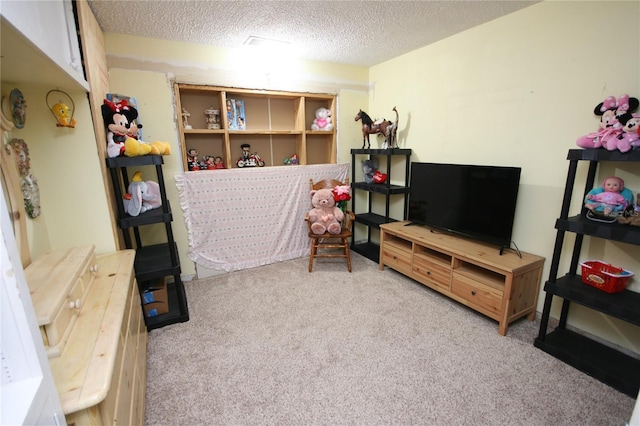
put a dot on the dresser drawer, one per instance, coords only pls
(484, 298)
(431, 273)
(397, 259)
(59, 282)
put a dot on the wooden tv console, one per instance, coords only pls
(503, 287)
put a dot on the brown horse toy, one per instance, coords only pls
(384, 127)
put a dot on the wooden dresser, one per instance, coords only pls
(95, 333)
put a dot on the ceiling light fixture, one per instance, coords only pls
(264, 42)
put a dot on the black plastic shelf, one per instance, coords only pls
(624, 305)
(610, 231)
(147, 218)
(606, 364)
(373, 219)
(390, 151)
(155, 262)
(369, 250)
(174, 315)
(144, 160)
(381, 188)
(603, 362)
(602, 155)
(369, 219)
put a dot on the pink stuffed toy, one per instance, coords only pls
(610, 128)
(630, 136)
(325, 216)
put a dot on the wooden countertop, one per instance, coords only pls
(84, 370)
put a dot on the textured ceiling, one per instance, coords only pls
(351, 32)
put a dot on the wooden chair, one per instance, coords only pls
(325, 245)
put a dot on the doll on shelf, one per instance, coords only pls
(609, 199)
(192, 160)
(217, 163)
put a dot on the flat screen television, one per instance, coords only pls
(473, 201)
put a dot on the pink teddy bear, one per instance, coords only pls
(610, 128)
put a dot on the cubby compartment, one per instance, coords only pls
(480, 274)
(434, 256)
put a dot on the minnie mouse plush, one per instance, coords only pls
(117, 119)
(630, 136)
(610, 128)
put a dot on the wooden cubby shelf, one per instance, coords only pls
(277, 125)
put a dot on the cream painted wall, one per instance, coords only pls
(148, 76)
(519, 91)
(65, 162)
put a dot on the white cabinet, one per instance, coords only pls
(44, 27)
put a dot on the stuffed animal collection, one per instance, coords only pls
(141, 196)
(371, 172)
(325, 216)
(322, 120)
(613, 132)
(122, 132)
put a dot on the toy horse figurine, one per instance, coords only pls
(384, 127)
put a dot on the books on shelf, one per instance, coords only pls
(235, 114)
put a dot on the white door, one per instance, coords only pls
(28, 393)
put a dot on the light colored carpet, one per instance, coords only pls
(278, 345)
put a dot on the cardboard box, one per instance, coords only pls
(155, 300)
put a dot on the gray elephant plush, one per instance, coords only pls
(142, 196)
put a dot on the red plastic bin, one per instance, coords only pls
(604, 276)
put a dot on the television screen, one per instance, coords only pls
(469, 200)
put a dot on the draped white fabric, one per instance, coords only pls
(243, 218)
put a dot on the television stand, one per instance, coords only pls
(516, 250)
(503, 287)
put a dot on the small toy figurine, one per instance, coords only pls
(248, 159)
(208, 161)
(185, 119)
(217, 163)
(192, 160)
(609, 199)
(212, 118)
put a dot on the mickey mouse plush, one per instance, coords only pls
(117, 119)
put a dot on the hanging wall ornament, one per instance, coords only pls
(18, 108)
(61, 109)
(30, 190)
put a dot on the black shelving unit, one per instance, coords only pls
(155, 261)
(603, 362)
(371, 220)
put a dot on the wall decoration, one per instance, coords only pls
(60, 109)
(29, 183)
(18, 108)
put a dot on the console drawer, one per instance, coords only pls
(486, 298)
(397, 259)
(431, 273)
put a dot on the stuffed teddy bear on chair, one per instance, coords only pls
(322, 120)
(325, 216)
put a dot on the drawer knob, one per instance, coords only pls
(94, 268)
(75, 304)
(473, 293)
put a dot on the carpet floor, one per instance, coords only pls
(277, 345)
